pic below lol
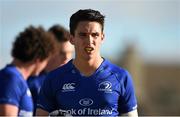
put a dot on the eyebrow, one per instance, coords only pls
(88, 33)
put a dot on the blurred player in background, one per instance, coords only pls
(31, 52)
(64, 48)
(63, 53)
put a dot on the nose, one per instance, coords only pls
(89, 39)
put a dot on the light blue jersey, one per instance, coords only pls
(107, 92)
(14, 90)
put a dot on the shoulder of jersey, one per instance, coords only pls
(9, 73)
(11, 77)
(118, 71)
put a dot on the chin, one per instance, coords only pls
(89, 57)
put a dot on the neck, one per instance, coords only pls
(87, 67)
(24, 68)
(57, 61)
(63, 59)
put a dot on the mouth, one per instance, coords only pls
(88, 49)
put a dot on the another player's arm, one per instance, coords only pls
(133, 113)
(8, 110)
(41, 112)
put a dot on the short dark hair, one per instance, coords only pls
(85, 15)
(33, 43)
(61, 34)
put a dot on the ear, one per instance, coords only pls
(102, 37)
(71, 39)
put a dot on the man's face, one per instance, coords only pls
(66, 50)
(87, 39)
(61, 56)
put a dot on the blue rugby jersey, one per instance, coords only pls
(107, 92)
(35, 83)
(14, 90)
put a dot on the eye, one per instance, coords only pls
(95, 34)
(82, 34)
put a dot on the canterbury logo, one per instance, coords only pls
(69, 86)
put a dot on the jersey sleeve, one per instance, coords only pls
(46, 96)
(10, 90)
(127, 99)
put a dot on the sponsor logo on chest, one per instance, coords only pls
(105, 86)
(86, 102)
